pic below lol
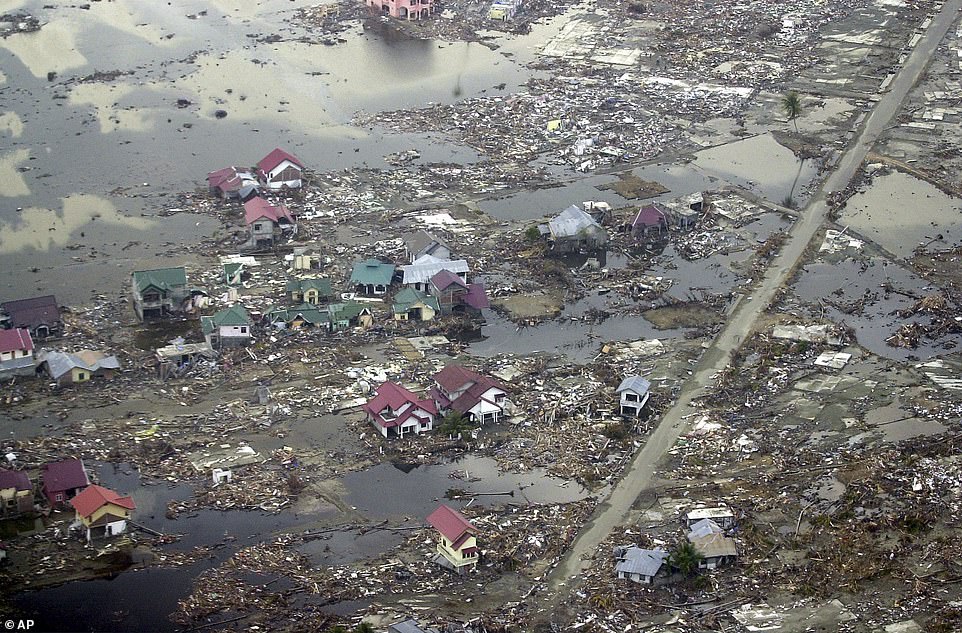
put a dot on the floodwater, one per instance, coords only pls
(759, 164)
(393, 491)
(78, 155)
(848, 281)
(900, 212)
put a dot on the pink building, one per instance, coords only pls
(404, 9)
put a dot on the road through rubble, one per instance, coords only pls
(638, 478)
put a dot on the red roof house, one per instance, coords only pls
(40, 315)
(231, 182)
(457, 547)
(63, 480)
(15, 343)
(397, 412)
(266, 221)
(280, 169)
(652, 217)
(476, 397)
(102, 511)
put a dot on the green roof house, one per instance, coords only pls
(414, 305)
(159, 292)
(227, 328)
(297, 317)
(372, 277)
(314, 291)
(351, 314)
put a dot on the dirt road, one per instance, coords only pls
(638, 477)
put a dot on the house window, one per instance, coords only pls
(257, 226)
(499, 398)
(243, 329)
(58, 497)
(152, 296)
(631, 397)
(81, 376)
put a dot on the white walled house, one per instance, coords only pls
(633, 392)
(279, 169)
(396, 412)
(478, 398)
(227, 328)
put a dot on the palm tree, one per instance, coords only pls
(454, 424)
(792, 107)
(685, 558)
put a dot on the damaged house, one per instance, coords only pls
(477, 398)
(414, 305)
(457, 540)
(313, 290)
(372, 277)
(267, 223)
(159, 292)
(39, 315)
(715, 548)
(640, 565)
(228, 328)
(279, 170)
(231, 183)
(423, 243)
(16, 493)
(76, 367)
(634, 393)
(101, 512)
(396, 412)
(63, 480)
(574, 230)
(418, 274)
(455, 296)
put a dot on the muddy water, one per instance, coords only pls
(64, 144)
(848, 281)
(760, 164)
(900, 212)
(393, 491)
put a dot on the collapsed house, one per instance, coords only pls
(179, 358)
(231, 183)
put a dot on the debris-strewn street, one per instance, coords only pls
(609, 315)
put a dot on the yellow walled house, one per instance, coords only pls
(102, 512)
(457, 543)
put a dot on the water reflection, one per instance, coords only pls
(42, 229)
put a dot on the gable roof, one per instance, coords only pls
(645, 562)
(275, 158)
(572, 222)
(372, 271)
(15, 479)
(427, 266)
(409, 297)
(30, 313)
(236, 315)
(257, 208)
(650, 215)
(422, 241)
(64, 475)
(346, 311)
(231, 179)
(450, 523)
(634, 383)
(321, 284)
(445, 279)
(393, 395)
(454, 377)
(95, 497)
(59, 363)
(714, 544)
(307, 311)
(15, 340)
(160, 278)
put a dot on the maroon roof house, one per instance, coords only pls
(651, 218)
(280, 169)
(63, 480)
(40, 315)
(20, 499)
(396, 412)
(455, 296)
(231, 182)
(478, 398)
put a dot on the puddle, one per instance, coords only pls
(760, 164)
(387, 491)
(899, 212)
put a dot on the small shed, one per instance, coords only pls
(640, 565)
(721, 515)
(651, 219)
(573, 230)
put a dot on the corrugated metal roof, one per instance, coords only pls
(646, 562)
(60, 363)
(372, 271)
(428, 266)
(571, 222)
(634, 383)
